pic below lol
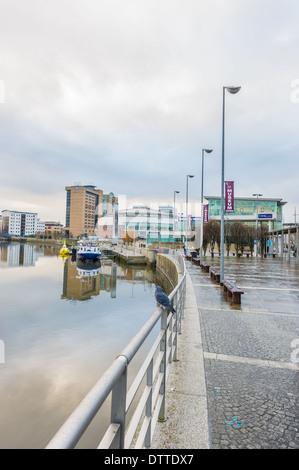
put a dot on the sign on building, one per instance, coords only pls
(265, 216)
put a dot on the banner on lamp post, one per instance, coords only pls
(229, 196)
(206, 213)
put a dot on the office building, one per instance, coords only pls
(53, 229)
(147, 223)
(84, 206)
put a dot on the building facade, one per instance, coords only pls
(146, 223)
(250, 211)
(19, 223)
(53, 229)
(152, 224)
(84, 206)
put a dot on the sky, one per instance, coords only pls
(124, 95)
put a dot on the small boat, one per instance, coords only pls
(64, 250)
(88, 251)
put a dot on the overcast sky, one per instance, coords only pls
(125, 94)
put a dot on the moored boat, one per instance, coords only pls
(88, 251)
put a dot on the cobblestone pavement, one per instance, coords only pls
(251, 353)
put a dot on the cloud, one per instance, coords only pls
(126, 94)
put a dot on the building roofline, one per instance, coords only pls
(271, 199)
(19, 212)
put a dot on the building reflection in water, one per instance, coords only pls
(19, 254)
(82, 281)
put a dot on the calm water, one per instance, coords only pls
(61, 327)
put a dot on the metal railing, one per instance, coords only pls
(150, 381)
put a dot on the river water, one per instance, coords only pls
(61, 326)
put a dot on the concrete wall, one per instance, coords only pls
(167, 272)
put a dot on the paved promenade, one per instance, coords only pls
(236, 382)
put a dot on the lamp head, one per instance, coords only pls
(233, 90)
(190, 176)
(208, 150)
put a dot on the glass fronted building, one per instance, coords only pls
(249, 210)
(148, 223)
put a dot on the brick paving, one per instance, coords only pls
(250, 359)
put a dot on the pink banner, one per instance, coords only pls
(229, 196)
(206, 213)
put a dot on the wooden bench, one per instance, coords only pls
(188, 257)
(205, 267)
(196, 261)
(245, 254)
(214, 274)
(233, 291)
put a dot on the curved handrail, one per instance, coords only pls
(115, 380)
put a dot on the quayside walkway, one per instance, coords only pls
(235, 384)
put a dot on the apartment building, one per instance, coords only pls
(19, 223)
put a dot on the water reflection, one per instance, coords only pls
(84, 280)
(19, 254)
(62, 325)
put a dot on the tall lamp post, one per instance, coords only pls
(256, 223)
(201, 200)
(188, 176)
(233, 91)
(174, 193)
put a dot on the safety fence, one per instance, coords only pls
(149, 384)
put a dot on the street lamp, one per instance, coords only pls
(233, 91)
(201, 200)
(174, 193)
(256, 224)
(188, 176)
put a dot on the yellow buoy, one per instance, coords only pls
(64, 250)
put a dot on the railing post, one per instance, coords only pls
(177, 313)
(183, 298)
(163, 365)
(118, 403)
(148, 408)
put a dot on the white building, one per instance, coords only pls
(148, 223)
(144, 222)
(19, 223)
(40, 226)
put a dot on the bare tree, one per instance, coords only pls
(212, 232)
(227, 236)
(263, 233)
(238, 236)
(251, 235)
